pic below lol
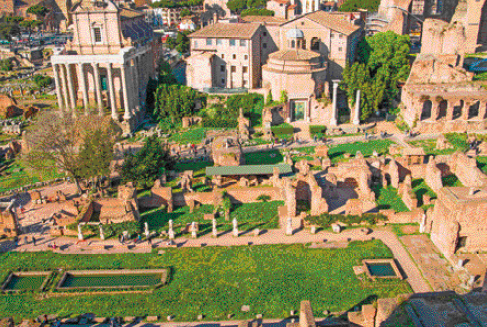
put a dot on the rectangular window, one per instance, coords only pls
(233, 69)
(222, 68)
(243, 43)
(234, 56)
(219, 42)
(264, 33)
(264, 45)
(246, 57)
(332, 35)
(340, 36)
(209, 42)
(223, 81)
(223, 56)
(97, 32)
(195, 44)
(244, 69)
(340, 49)
(232, 43)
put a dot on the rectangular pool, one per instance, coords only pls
(25, 281)
(381, 270)
(112, 279)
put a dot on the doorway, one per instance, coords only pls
(299, 110)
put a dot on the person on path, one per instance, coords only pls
(34, 240)
(139, 238)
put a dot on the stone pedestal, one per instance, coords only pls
(289, 227)
(334, 113)
(356, 114)
(214, 230)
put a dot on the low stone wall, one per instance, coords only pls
(85, 215)
(237, 195)
(403, 217)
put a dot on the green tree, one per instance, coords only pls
(182, 41)
(382, 62)
(355, 5)
(9, 30)
(30, 25)
(176, 101)
(256, 12)
(185, 12)
(96, 152)
(268, 99)
(38, 10)
(148, 164)
(283, 98)
(237, 5)
(42, 81)
(6, 65)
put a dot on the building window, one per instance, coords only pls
(219, 42)
(232, 43)
(243, 43)
(293, 44)
(195, 44)
(245, 82)
(245, 69)
(264, 45)
(97, 33)
(223, 81)
(302, 23)
(246, 57)
(332, 35)
(222, 68)
(208, 42)
(315, 44)
(264, 33)
(103, 82)
(340, 49)
(234, 56)
(223, 56)
(233, 69)
(340, 36)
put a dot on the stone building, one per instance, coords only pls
(108, 63)
(440, 95)
(282, 8)
(9, 222)
(268, 54)
(458, 220)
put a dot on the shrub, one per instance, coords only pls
(219, 122)
(315, 129)
(264, 198)
(284, 128)
(326, 219)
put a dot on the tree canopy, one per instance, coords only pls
(175, 101)
(181, 43)
(355, 5)
(70, 144)
(256, 12)
(382, 62)
(42, 81)
(38, 10)
(244, 7)
(176, 4)
(148, 164)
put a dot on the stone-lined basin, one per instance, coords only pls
(381, 268)
(112, 279)
(25, 281)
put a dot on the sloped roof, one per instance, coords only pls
(228, 30)
(336, 21)
(294, 55)
(248, 170)
(264, 19)
(126, 13)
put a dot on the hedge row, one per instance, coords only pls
(326, 219)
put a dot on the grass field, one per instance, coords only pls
(336, 153)
(195, 136)
(262, 215)
(263, 158)
(215, 281)
(387, 198)
(482, 164)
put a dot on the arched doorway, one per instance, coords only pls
(473, 110)
(426, 110)
(457, 110)
(315, 44)
(442, 107)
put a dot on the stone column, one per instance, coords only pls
(80, 233)
(466, 109)
(65, 88)
(235, 227)
(214, 230)
(146, 230)
(136, 83)
(71, 88)
(435, 110)
(482, 109)
(449, 110)
(59, 94)
(334, 114)
(289, 226)
(102, 234)
(356, 114)
(81, 74)
(96, 77)
(317, 5)
(112, 92)
(193, 230)
(171, 230)
(127, 115)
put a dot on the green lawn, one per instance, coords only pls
(429, 147)
(457, 140)
(451, 181)
(482, 164)
(262, 215)
(387, 198)
(194, 135)
(336, 153)
(17, 175)
(263, 158)
(420, 188)
(215, 281)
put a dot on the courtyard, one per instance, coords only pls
(213, 281)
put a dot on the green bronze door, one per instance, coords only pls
(299, 110)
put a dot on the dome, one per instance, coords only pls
(294, 34)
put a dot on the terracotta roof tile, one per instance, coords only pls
(336, 21)
(264, 19)
(228, 30)
(126, 13)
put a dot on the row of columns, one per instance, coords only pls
(334, 113)
(66, 93)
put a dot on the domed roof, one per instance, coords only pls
(294, 34)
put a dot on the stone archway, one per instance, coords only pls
(442, 109)
(457, 110)
(426, 110)
(473, 110)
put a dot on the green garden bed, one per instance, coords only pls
(387, 198)
(215, 281)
